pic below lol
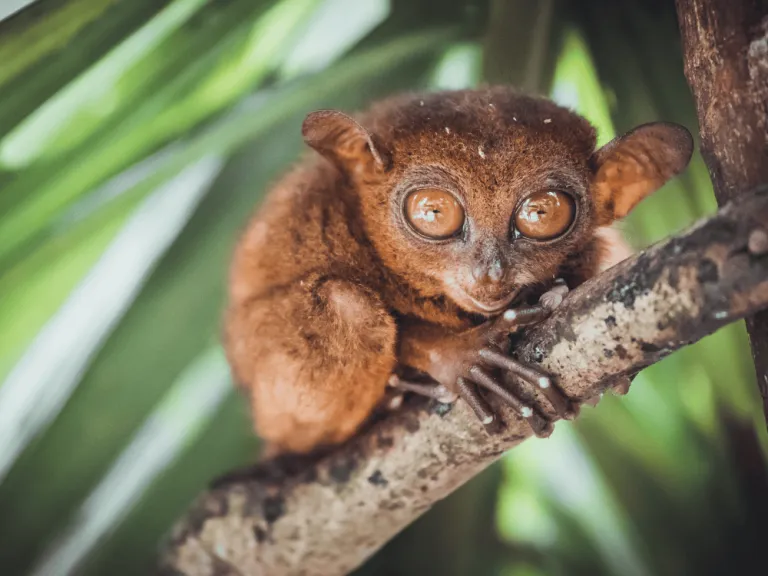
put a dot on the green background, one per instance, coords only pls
(135, 140)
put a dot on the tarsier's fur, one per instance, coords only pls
(328, 293)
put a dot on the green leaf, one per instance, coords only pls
(174, 425)
(222, 136)
(73, 113)
(42, 29)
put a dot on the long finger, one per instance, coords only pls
(479, 407)
(539, 426)
(536, 377)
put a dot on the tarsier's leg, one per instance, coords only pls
(314, 358)
(491, 358)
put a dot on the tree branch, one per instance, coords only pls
(725, 48)
(327, 517)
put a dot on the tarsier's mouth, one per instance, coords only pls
(489, 307)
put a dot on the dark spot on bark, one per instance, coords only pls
(341, 468)
(452, 454)
(273, 472)
(310, 475)
(639, 280)
(625, 294)
(391, 506)
(707, 272)
(377, 479)
(440, 408)
(649, 348)
(215, 504)
(411, 423)
(608, 352)
(494, 452)
(273, 508)
(383, 441)
(424, 488)
(621, 352)
(421, 473)
(610, 321)
(259, 533)
(674, 277)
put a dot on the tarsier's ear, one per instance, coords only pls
(344, 142)
(634, 165)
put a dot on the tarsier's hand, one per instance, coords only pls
(477, 358)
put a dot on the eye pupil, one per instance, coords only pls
(545, 215)
(434, 213)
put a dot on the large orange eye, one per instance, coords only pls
(545, 215)
(434, 213)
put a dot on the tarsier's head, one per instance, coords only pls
(478, 194)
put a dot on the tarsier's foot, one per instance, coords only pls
(480, 368)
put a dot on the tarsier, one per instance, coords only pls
(427, 230)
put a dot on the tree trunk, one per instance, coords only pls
(725, 49)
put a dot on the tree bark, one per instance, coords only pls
(325, 517)
(725, 49)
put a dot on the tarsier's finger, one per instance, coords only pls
(552, 298)
(435, 391)
(535, 377)
(515, 318)
(519, 317)
(479, 407)
(539, 426)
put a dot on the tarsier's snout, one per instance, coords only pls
(482, 288)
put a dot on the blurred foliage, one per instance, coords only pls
(136, 138)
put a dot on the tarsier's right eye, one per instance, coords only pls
(434, 213)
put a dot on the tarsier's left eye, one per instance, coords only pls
(434, 213)
(545, 215)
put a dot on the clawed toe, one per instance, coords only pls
(533, 376)
(469, 394)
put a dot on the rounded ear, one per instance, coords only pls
(342, 140)
(635, 165)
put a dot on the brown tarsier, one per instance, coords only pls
(426, 231)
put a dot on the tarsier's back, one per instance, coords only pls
(428, 229)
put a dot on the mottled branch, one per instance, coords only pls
(326, 517)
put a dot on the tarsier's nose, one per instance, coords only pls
(487, 267)
(488, 272)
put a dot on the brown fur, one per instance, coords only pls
(330, 290)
